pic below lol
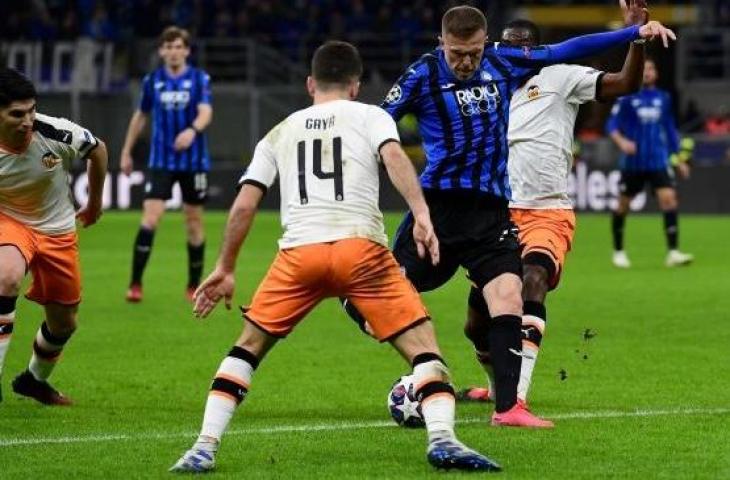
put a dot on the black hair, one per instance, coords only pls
(14, 86)
(531, 28)
(336, 63)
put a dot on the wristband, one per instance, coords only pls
(639, 41)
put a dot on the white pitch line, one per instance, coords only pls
(12, 442)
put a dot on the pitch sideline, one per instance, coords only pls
(11, 442)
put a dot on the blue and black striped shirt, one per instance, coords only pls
(464, 123)
(172, 103)
(646, 118)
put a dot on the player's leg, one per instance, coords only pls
(476, 330)
(57, 286)
(227, 391)
(669, 204)
(629, 185)
(393, 309)
(291, 288)
(194, 188)
(195, 245)
(158, 188)
(12, 271)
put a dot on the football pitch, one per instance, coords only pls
(634, 370)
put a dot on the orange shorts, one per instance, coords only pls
(359, 269)
(546, 231)
(53, 261)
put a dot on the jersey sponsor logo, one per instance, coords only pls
(649, 114)
(394, 95)
(447, 86)
(478, 100)
(50, 160)
(159, 85)
(175, 100)
(533, 92)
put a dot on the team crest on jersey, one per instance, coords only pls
(533, 92)
(394, 95)
(527, 51)
(49, 160)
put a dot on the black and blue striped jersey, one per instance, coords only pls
(172, 103)
(464, 123)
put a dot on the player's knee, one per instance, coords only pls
(536, 278)
(61, 319)
(11, 277)
(668, 202)
(504, 295)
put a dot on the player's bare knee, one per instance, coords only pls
(504, 295)
(535, 283)
(11, 277)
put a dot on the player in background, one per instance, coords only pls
(541, 125)
(38, 225)
(327, 159)
(460, 94)
(177, 98)
(642, 126)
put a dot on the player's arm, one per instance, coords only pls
(404, 178)
(96, 168)
(628, 80)
(136, 124)
(403, 95)
(186, 137)
(613, 128)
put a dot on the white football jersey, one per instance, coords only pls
(327, 159)
(34, 184)
(541, 123)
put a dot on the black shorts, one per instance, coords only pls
(474, 232)
(194, 186)
(633, 182)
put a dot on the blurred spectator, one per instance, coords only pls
(719, 122)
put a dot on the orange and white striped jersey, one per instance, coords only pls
(327, 158)
(34, 184)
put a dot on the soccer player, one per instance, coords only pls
(177, 97)
(541, 123)
(334, 244)
(37, 225)
(642, 126)
(460, 94)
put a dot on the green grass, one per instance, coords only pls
(141, 371)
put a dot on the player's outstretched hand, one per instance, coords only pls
(219, 284)
(635, 12)
(89, 214)
(655, 29)
(425, 238)
(184, 139)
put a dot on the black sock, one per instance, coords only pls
(195, 263)
(505, 343)
(671, 229)
(617, 226)
(142, 250)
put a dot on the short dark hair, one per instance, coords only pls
(530, 27)
(463, 21)
(170, 34)
(14, 86)
(336, 63)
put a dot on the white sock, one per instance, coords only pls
(438, 408)
(230, 387)
(46, 352)
(7, 321)
(529, 353)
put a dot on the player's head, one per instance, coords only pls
(174, 47)
(651, 74)
(463, 35)
(17, 103)
(521, 33)
(336, 67)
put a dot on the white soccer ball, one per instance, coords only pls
(403, 406)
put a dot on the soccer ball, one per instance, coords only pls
(404, 409)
